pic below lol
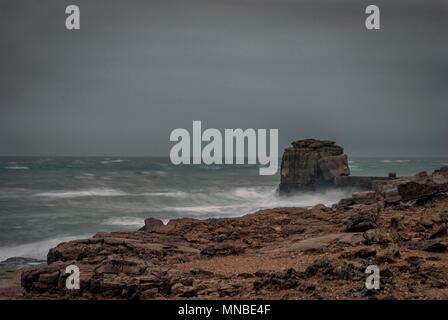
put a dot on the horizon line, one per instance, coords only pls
(167, 156)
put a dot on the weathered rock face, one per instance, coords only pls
(311, 163)
(402, 191)
(283, 253)
(414, 188)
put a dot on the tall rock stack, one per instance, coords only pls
(310, 164)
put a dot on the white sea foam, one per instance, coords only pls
(153, 172)
(250, 199)
(199, 210)
(95, 192)
(262, 198)
(124, 221)
(35, 250)
(397, 161)
(85, 175)
(176, 194)
(129, 221)
(113, 161)
(17, 168)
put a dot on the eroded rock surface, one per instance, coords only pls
(310, 164)
(415, 188)
(279, 253)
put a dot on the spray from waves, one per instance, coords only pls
(128, 221)
(124, 221)
(268, 198)
(245, 200)
(200, 210)
(35, 250)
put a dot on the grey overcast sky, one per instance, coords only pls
(139, 69)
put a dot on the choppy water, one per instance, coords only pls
(44, 201)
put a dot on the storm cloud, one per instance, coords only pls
(139, 69)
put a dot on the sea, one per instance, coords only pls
(48, 200)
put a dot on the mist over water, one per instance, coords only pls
(44, 201)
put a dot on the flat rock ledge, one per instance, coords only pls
(281, 253)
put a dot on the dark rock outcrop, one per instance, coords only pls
(361, 221)
(311, 163)
(151, 224)
(415, 188)
(403, 191)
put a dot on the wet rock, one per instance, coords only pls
(223, 249)
(201, 272)
(440, 232)
(430, 245)
(179, 289)
(363, 253)
(366, 197)
(344, 203)
(322, 266)
(50, 278)
(360, 222)
(389, 255)
(377, 237)
(321, 207)
(278, 280)
(333, 270)
(419, 187)
(426, 224)
(395, 224)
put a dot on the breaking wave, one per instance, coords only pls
(259, 198)
(107, 192)
(396, 161)
(113, 161)
(176, 194)
(245, 200)
(124, 221)
(96, 192)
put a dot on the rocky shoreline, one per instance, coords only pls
(281, 253)
(399, 224)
